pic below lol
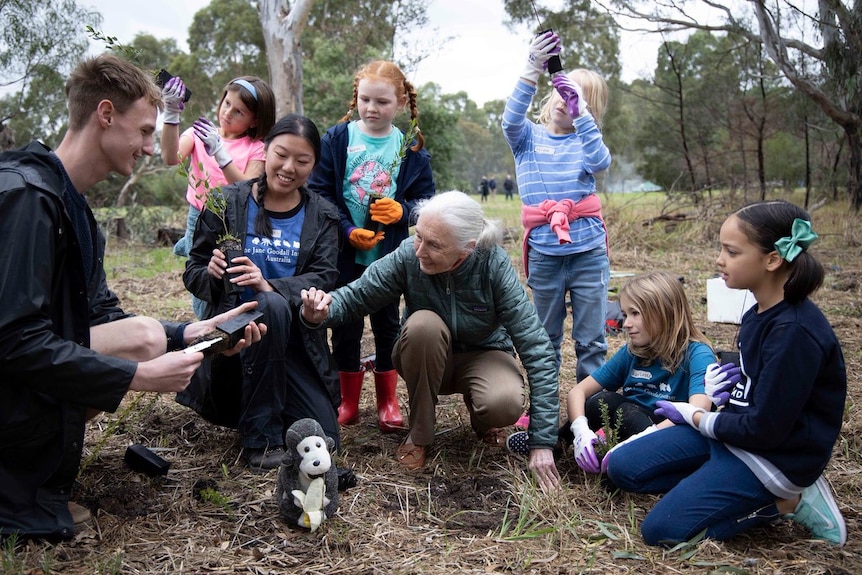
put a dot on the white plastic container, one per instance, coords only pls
(724, 304)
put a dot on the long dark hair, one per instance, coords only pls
(764, 223)
(261, 103)
(293, 125)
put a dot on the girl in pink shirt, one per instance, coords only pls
(223, 154)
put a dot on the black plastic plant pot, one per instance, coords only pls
(231, 249)
(369, 223)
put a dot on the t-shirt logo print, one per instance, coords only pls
(370, 177)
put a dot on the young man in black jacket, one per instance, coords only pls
(67, 349)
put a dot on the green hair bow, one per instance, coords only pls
(801, 237)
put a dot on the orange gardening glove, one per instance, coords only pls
(363, 239)
(386, 211)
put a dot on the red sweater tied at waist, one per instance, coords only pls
(558, 215)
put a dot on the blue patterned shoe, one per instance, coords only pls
(517, 443)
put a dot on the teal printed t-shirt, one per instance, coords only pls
(646, 385)
(369, 170)
(276, 255)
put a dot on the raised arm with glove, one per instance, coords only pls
(572, 94)
(542, 48)
(172, 98)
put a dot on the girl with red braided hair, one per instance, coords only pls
(375, 174)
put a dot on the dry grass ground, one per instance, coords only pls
(474, 508)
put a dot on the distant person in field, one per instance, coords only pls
(466, 316)
(762, 456)
(484, 189)
(492, 186)
(565, 240)
(67, 349)
(374, 174)
(509, 187)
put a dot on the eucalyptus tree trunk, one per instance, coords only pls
(282, 26)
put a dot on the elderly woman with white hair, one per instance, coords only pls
(466, 314)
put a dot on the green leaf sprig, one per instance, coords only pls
(214, 199)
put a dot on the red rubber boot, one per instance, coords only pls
(351, 389)
(388, 410)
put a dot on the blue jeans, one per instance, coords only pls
(584, 277)
(705, 486)
(183, 247)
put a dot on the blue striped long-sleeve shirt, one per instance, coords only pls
(555, 167)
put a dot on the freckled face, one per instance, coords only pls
(378, 105)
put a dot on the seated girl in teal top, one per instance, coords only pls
(666, 357)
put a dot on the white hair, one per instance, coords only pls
(464, 217)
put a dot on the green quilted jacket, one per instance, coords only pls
(484, 305)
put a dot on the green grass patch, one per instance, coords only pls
(130, 261)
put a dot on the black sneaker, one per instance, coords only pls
(263, 458)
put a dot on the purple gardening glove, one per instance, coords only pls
(572, 94)
(207, 132)
(630, 439)
(584, 447)
(719, 380)
(678, 412)
(542, 48)
(172, 99)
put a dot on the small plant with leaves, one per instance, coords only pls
(611, 431)
(206, 491)
(113, 44)
(409, 136)
(215, 201)
(213, 198)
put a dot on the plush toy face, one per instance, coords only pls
(314, 456)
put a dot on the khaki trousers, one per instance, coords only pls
(490, 381)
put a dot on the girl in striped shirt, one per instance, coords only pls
(556, 159)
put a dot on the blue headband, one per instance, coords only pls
(247, 85)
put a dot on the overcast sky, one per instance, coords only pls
(483, 59)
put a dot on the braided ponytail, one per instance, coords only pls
(352, 106)
(262, 225)
(414, 114)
